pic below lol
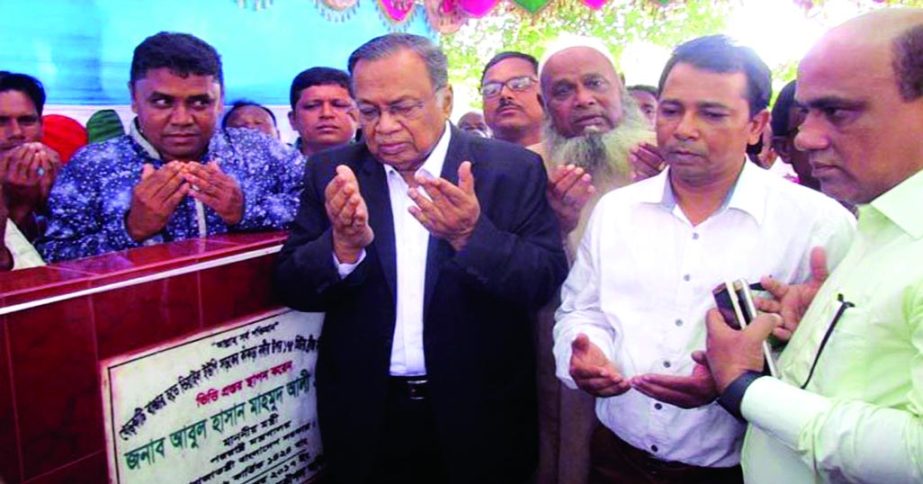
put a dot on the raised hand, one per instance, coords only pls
(645, 161)
(451, 212)
(348, 216)
(593, 372)
(683, 391)
(154, 199)
(732, 352)
(569, 189)
(28, 171)
(215, 189)
(792, 300)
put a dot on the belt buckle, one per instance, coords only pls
(416, 389)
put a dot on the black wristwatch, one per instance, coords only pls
(733, 395)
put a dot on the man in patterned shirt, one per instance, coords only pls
(174, 176)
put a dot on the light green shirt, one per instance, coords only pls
(860, 418)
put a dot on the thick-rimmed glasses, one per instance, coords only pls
(516, 84)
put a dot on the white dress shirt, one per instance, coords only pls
(643, 281)
(23, 253)
(410, 247)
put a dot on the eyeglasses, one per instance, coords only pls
(516, 84)
(406, 110)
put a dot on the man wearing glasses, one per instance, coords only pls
(428, 249)
(512, 104)
(848, 403)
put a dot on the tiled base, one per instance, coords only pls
(50, 398)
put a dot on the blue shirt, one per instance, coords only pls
(92, 195)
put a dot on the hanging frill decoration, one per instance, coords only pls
(396, 13)
(594, 4)
(444, 16)
(337, 10)
(257, 4)
(477, 8)
(532, 6)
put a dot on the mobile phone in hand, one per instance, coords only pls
(735, 302)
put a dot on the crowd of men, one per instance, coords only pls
(529, 296)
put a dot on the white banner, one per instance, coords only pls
(236, 404)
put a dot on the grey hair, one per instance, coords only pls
(386, 45)
(908, 62)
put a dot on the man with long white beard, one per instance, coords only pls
(591, 128)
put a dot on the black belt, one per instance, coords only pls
(411, 387)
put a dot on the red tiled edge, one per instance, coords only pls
(88, 470)
(55, 383)
(10, 457)
(69, 276)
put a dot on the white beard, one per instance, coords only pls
(603, 155)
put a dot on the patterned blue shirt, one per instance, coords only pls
(92, 195)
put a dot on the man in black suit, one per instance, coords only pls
(428, 249)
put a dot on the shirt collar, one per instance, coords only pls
(135, 133)
(901, 205)
(436, 159)
(748, 194)
(138, 137)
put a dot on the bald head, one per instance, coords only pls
(582, 91)
(891, 38)
(862, 86)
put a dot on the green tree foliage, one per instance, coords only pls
(617, 24)
(664, 23)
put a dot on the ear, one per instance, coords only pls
(220, 107)
(447, 99)
(291, 120)
(756, 126)
(132, 93)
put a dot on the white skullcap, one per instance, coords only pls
(569, 41)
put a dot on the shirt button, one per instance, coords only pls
(654, 448)
(687, 277)
(695, 236)
(679, 322)
(666, 364)
(658, 406)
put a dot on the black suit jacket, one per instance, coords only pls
(477, 336)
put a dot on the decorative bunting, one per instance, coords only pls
(444, 16)
(594, 4)
(477, 8)
(397, 11)
(257, 4)
(337, 10)
(532, 6)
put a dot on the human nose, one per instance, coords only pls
(584, 97)
(180, 115)
(387, 122)
(326, 110)
(13, 130)
(811, 135)
(685, 127)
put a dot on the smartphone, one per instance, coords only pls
(735, 302)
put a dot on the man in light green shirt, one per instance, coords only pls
(848, 403)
